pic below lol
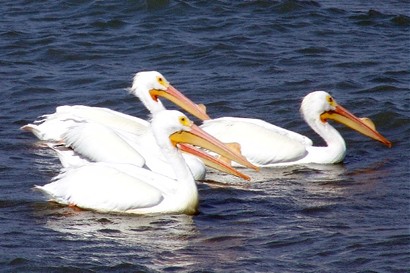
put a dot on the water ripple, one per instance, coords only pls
(245, 58)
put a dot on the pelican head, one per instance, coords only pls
(148, 86)
(181, 129)
(319, 106)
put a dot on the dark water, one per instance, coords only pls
(240, 58)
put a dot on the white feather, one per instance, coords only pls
(108, 187)
(103, 135)
(267, 145)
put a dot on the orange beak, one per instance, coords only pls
(212, 162)
(197, 136)
(342, 115)
(179, 99)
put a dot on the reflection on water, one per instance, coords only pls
(156, 238)
(310, 188)
(283, 212)
(293, 219)
(313, 177)
(45, 159)
(327, 172)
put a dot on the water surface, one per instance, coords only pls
(241, 58)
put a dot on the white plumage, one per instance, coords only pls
(103, 135)
(113, 187)
(267, 145)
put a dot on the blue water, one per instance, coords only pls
(240, 58)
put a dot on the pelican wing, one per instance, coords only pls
(68, 157)
(261, 143)
(110, 118)
(53, 126)
(104, 188)
(97, 142)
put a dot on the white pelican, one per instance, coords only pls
(148, 86)
(103, 135)
(266, 145)
(126, 188)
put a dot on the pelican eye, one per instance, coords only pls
(162, 81)
(330, 100)
(184, 121)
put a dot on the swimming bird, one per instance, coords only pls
(267, 145)
(102, 135)
(126, 188)
(148, 86)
